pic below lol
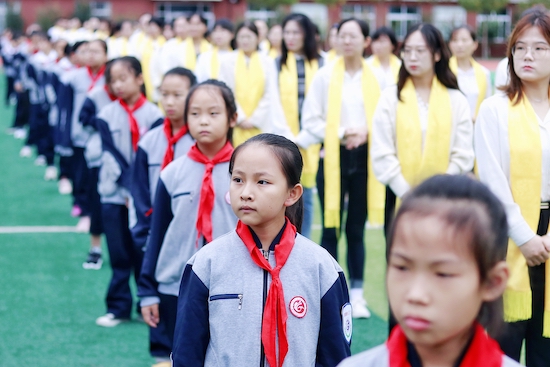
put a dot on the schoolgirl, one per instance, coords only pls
(445, 278)
(474, 80)
(121, 124)
(191, 208)
(263, 294)
(383, 60)
(422, 126)
(252, 77)
(209, 62)
(159, 147)
(275, 38)
(296, 68)
(338, 112)
(512, 142)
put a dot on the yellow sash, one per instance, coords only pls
(214, 64)
(288, 90)
(525, 183)
(249, 90)
(481, 79)
(124, 47)
(395, 65)
(190, 61)
(273, 53)
(146, 53)
(331, 55)
(371, 94)
(418, 164)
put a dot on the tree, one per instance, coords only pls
(82, 10)
(483, 6)
(47, 15)
(13, 19)
(271, 4)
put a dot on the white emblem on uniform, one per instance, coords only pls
(347, 325)
(227, 198)
(298, 306)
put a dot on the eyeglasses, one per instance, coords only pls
(537, 51)
(419, 52)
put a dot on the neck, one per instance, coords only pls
(95, 69)
(176, 125)
(197, 41)
(446, 354)
(536, 91)
(464, 63)
(299, 53)
(384, 60)
(423, 81)
(131, 101)
(248, 53)
(353, 64)
(211, 149)
(224, 48)
(268, 231)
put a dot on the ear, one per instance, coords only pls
(496, 281)
(475, 46)
(437, 56)
(139, 79)
(367, 43)
(233, 120)
(294, 194)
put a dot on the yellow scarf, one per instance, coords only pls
(273, 53)
(525, 183)
(331, 55)
(215, 64)
(288, 90)
(249, 90)
(190, 61)
(481, 79)
(418, 164)
(395, 65)
(371, 94)
(146, 52)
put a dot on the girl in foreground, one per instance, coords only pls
(263, 294)
(445, 279)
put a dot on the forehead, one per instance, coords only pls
(206, 96)
(462, 33)
(532, 34)
(415, 39)
(350, 27)
(175, 81)
(257, 157)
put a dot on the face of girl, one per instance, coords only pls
(197, 29)
(173, 91)
(97, 56)
(247, 41)
(333, 38)
(124, 82)
(532, 56)
(417, 56)
(259, 189)
(207, 117)
(154, 30)
(382, 46)
(462, 45)
(275, 36)
(351, 40)
(293, 36)
(433, 282)
(180, 27)
(221, 37)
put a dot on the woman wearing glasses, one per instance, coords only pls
(422, 126)
(512, 142)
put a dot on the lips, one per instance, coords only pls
(416, 323)
(246, 209)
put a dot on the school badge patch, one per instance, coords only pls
(347, 325)
(298, 306)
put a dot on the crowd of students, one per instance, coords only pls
(197, 151)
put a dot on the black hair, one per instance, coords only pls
(308, 30)
(291, 161)
(41, 35)
(470, 30)
(67, 50)
(225, 24)
(16, 35)
(228, 98)
(77, 45)
(388, 32)
(107, 72)
(202, 19)
(470, 208)
(248, 24)
(186, 73)
(365, 30)
(101, 42)
(134, 66)
(436, 44)
(158, 21)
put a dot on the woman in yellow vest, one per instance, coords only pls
(275, 38)
(474, 80)
(337, 112)
(149, 57)
(252, 77)
(333, 47)
(209, 63)
(512, 142)
(422, 126)
(383, 60)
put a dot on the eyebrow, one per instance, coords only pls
(437, 262)
(239, 172)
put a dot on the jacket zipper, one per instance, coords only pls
(262, 355)
(229, 296)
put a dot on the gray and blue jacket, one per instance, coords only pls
(173, 239)
(146, 173)
(222, 298)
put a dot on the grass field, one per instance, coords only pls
(48, 303)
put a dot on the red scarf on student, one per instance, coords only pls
(482, 352)
(172, 140)
(275, 316)
(206, 202)
(134, 127)
(96, 77)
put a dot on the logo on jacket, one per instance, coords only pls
(298, 306)
(347, 324)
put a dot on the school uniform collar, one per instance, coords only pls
(415, 361)
(276, 240)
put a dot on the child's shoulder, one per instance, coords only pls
(109, 111)
(375, 357)
(218, 248)
(316, 255)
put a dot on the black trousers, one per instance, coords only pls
(81, 180)
(537, 348)
(40, 132)
(10, 91)
(96, 220)
(22, 110)
(353, 182)
(161, 338)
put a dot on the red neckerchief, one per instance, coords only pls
(134, 128)
(275, 316)
(172, 140)
(482, 351)
(111, 96)
(206, 201)
(96, 77)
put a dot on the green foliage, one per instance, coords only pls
(483, 6)
(14, 21)
(46, 16)
(271, 4)
(82, 10)
(331, 2)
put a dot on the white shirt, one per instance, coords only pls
(383, 148)
(204, 61)
(501, 75)
(384, 75)
(468, 85)
(493, 161)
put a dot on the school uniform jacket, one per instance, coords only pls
(173, 238)
(146, 173)
(118, 153)
(223, 291)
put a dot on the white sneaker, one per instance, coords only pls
(64, 186)
(83, 225)
(51, 173)
(359, 309)
(108, 320)
(25, 152)
(20, 134)
(40, 161)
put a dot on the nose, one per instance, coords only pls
(418, 292)
(246, 192)
(529, 52)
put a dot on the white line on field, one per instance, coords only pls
(38, 229)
